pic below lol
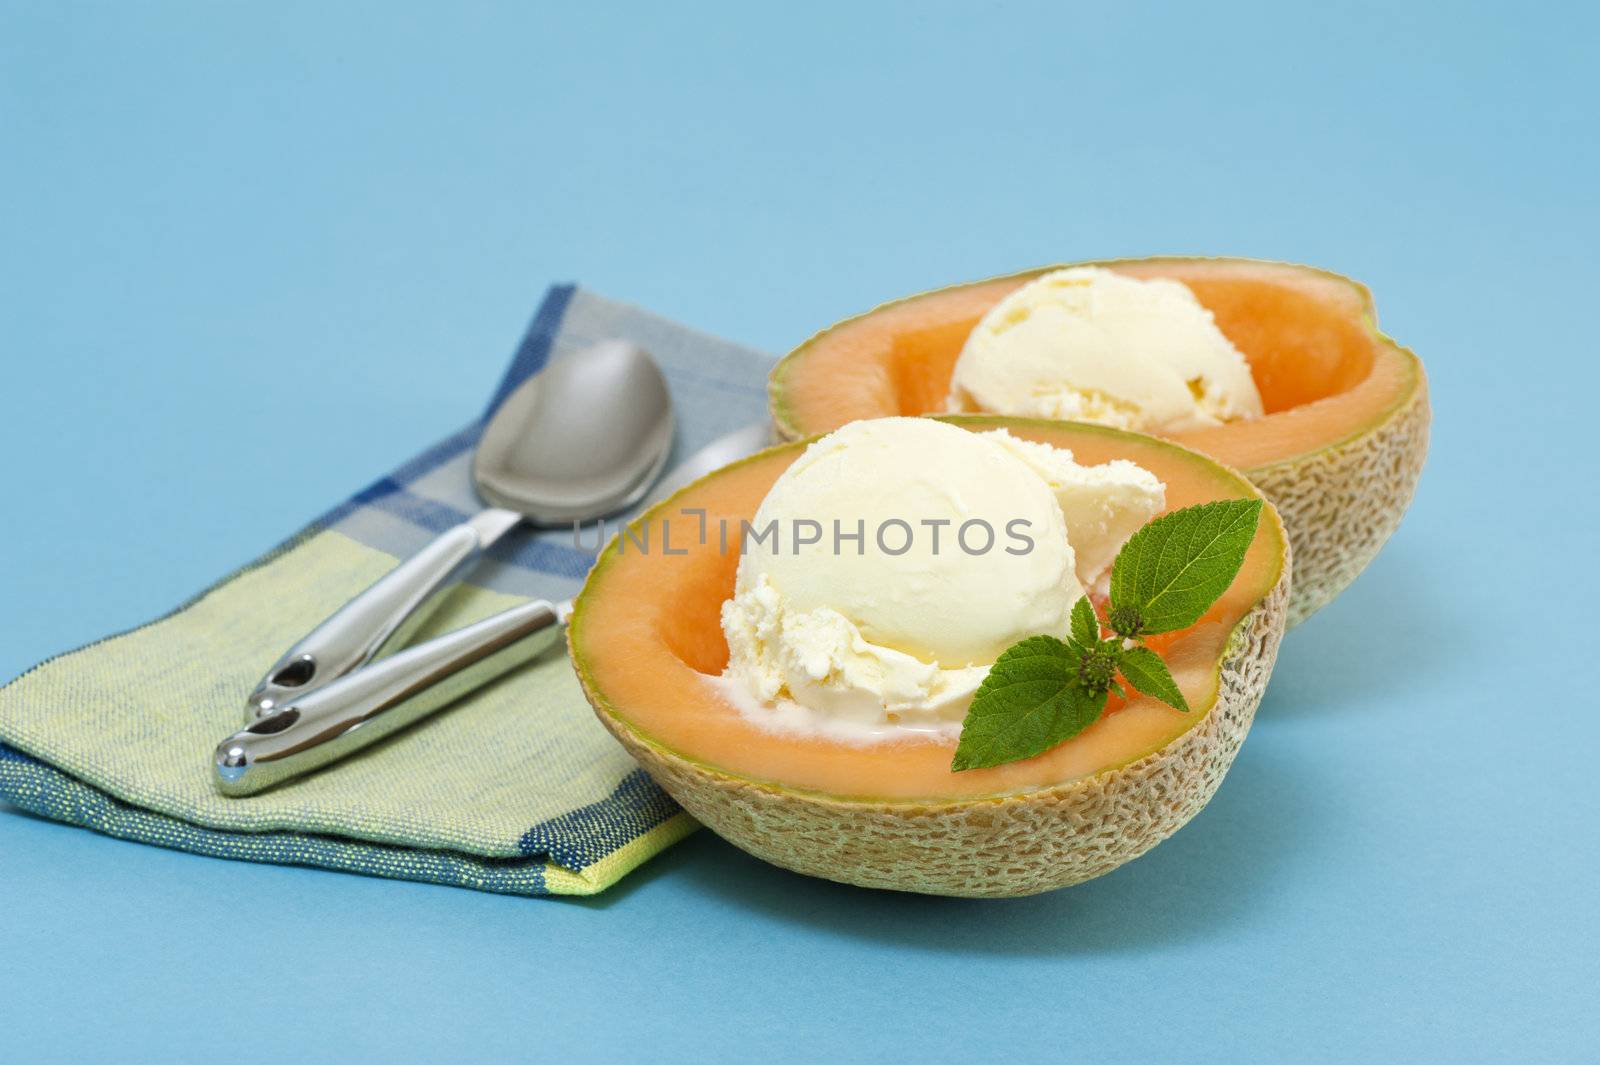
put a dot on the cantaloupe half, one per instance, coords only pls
(645, 637)
(1338, 452)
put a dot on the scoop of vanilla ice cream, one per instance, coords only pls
(933, 600)
(898, 557)
(1090, 344)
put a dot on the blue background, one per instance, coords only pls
(252, 255)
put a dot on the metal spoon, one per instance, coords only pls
(359, 709)
(724, 449)
(582, 439)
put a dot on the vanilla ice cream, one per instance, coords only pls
(895, 560)
(1089, 344)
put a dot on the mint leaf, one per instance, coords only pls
(1170, 572)
(1144, 669)
(1030, 701)
(1085, 626)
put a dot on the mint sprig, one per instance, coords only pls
(1043, 690)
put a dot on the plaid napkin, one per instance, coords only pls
(514, 789)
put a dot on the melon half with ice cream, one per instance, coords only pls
(1276, 370)
(790, 644)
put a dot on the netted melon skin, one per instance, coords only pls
(1341, 505)
(987, 848)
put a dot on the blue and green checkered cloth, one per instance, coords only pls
(514, 789)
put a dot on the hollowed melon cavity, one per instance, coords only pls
(1338, 450)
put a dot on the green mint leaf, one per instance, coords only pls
(1144, 669)
(1030, 701)
(1085, 626)
(1170, 572)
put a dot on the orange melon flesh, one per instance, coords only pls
(646, 635)
(1324, 372)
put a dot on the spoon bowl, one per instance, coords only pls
(581, 440)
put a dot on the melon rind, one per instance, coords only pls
(986, 847)
(1340, 502)
(1340, 505)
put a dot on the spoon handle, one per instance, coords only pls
(357, 710)
(386, 615)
